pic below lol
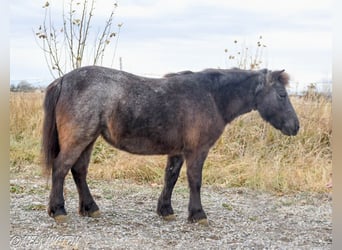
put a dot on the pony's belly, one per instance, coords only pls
(144, 146)
(146, 141)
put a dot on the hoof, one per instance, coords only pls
(61, 218)
(203, 222)
(95, 214)
(170, 217)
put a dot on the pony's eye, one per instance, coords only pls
(281, 93)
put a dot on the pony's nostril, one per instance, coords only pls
(297, 126)
(296, 129)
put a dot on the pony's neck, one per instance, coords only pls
(235, 99)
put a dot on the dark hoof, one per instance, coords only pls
(58, 213)
(199, 217)
(91, 210)
(165, 211)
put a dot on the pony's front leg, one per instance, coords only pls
(195, 161)
(173, 167)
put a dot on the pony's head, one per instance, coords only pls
(273, 103)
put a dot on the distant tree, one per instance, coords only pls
(24, 86)
(245, 57)
(13, 88)
(66, 46)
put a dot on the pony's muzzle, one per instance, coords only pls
(291, 127)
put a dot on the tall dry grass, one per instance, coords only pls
(250, 153)
(26, 118)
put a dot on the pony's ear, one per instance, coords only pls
(280, 76)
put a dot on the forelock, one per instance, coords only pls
(284, 78)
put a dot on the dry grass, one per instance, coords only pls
(250, 153)
(26, 118)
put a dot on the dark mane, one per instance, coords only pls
(223, 77)
(214, 79)
(229, 74)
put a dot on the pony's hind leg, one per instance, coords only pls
(173, 167)
(87, 205)
(61, 166)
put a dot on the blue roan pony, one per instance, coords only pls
(180, 115)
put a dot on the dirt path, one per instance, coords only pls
(239, 219)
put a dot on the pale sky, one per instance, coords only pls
(159, 37)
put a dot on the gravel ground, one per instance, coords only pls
(238, 219)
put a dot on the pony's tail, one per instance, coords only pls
(50, 143)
